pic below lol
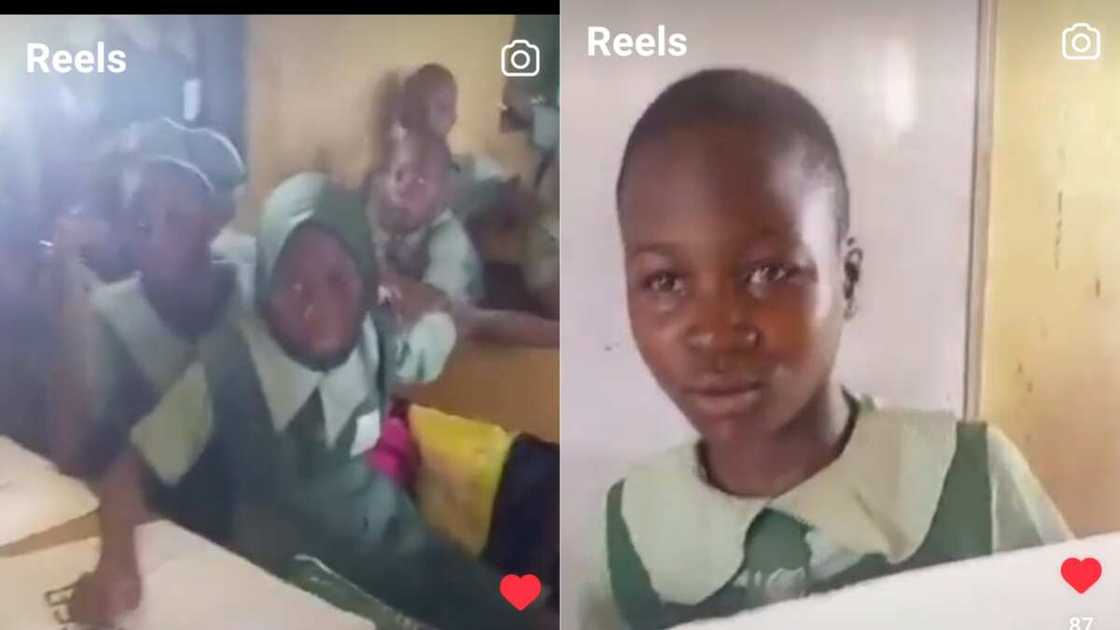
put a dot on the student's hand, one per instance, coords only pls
(396, 454)
(410, 299)
(101, 597)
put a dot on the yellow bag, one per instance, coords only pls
(461, 464)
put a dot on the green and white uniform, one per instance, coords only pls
(440, 254)
(301, 484)
(910, 489)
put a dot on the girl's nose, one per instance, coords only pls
(722, 323)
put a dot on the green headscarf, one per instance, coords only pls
(312, 198)
(204, 152)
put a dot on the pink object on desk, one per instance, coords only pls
(395, 454)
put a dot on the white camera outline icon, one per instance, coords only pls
(521, 47)
(1074, 32)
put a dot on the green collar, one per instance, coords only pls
(879, 496)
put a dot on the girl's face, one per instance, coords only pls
(316, 304)
(168, 227)
(734, 276)
(441, 108)
(412, 188)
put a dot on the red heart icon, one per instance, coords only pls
(520, 591)
(1081, 574)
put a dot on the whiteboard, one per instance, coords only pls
(897, 82)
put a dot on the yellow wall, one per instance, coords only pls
(314, 82)
(1051, 338)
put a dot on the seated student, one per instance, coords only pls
(418, 236)
(167, 197)
(733, 208)
(531, 104)
(296, 386)
(146, 329)
(428, 104)
(216, 156)
(99, 211)
(540, 258)
(420, 241)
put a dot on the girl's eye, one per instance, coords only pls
(664, 282)
(768, 274)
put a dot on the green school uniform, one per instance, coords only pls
(301, 483)
(137, 354)
(440, 254)
(911, 489)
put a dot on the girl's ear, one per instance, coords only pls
(853, 267)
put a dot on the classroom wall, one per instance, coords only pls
(1051, 337)
(314, 83)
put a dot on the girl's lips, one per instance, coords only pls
(726, 400)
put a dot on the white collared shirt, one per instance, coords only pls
(174, 434)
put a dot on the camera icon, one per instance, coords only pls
(521, 58)
(1081, 42)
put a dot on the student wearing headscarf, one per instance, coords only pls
(296, 386)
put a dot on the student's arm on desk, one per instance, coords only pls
(166, 443)
(114, 587)
(413, 299)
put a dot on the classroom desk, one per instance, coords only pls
(72, 531)
(518, 388)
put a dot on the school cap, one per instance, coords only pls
(311, 198)
(204, 152)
